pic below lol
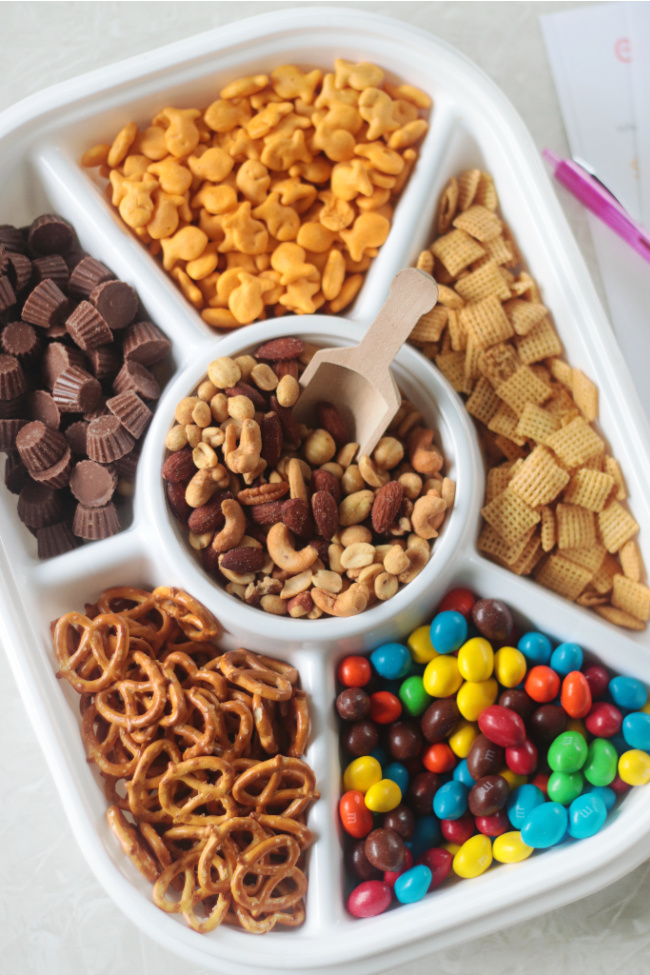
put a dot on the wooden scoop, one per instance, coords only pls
(357, 380)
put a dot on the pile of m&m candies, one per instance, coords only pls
(471, 744)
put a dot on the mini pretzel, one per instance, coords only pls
(191, 897)
(282, 824)
(102, 752)
(257, 677)
(262, 860)
(91, 648)
(266, 922)
(131, 843)
(286, 784)
(148, 694)
(196, 622)
(192, 775)
(264, 724)
(142, 790)
(298, 715)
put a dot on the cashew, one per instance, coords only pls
(428, 515)
(246, 457)
(349, 603)
(234, 528)
(279, 542)
(297, 486)
(448, 491)
(425, 458)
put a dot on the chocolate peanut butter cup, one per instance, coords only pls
(96, 523)
(50, 234)
(40, 446)
(77, 436)
(45, 306)
(108, 440)
(116, 301)
(145, 343)
(12, 409)
(58, 475)
(9, 430)
(55, 540)
(39, 505)
(41, 406)
(127, 466)
(105, 362)
(87, 328)
(19, 270)
(93, 484)
(22, 341)
(16, 474)
(57, 358)
(132, 413)
(76, 391)
(86, 275)
(7, 293)
(12, 238)
(136, 377)
(53, 267)
(12, 378)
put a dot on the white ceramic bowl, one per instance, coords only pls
(472, 124)
(249, 626)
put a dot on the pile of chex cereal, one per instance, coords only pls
(555, 504)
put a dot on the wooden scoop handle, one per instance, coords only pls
(412, 293)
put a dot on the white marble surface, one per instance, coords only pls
(55, 919)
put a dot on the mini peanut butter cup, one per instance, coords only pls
(77, 435)
(9, 430)
(136, 377)
(12, 378)
(12, 238)
(105, 362)
(4, 259)
(145, 343)
(127, 466)
(50, 234)
(116, 301)
(22, 341)
(7, 293)
(19, 270)
(96, 523)
(12, 409)
(57, 358)
(86, 275)
(131, 412)
(93, 484)
(53, 267)
(39, 505)
(40, 446)
(45, 305)
(58, 475)
(55, 540)
(87, 328)
(100, 410)
(16, 474)
(41, 406)
(76, 391)
(108, 440)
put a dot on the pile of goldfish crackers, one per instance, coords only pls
(274, 198)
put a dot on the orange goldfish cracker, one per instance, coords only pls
(290, 177)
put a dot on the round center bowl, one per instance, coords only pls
(248, 626)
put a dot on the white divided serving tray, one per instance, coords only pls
(472, 124)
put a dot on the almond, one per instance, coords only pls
(267, 513)
(286, 367)
(176, 500)
(257, 398)
(326, 514)
(331, 420)
(386, 506)
(179, 466)
(208, 517)
(297, 517)
(289, 424)
(326, 481)
(272, 438)
(287, 347)
(242, 560)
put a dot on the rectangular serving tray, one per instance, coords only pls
(472, 124)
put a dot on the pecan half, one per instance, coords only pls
(263, 493)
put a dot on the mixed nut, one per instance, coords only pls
(287, 517)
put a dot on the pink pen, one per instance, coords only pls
(596, 198)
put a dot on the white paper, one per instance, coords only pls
(591, 54)
(638, 15)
